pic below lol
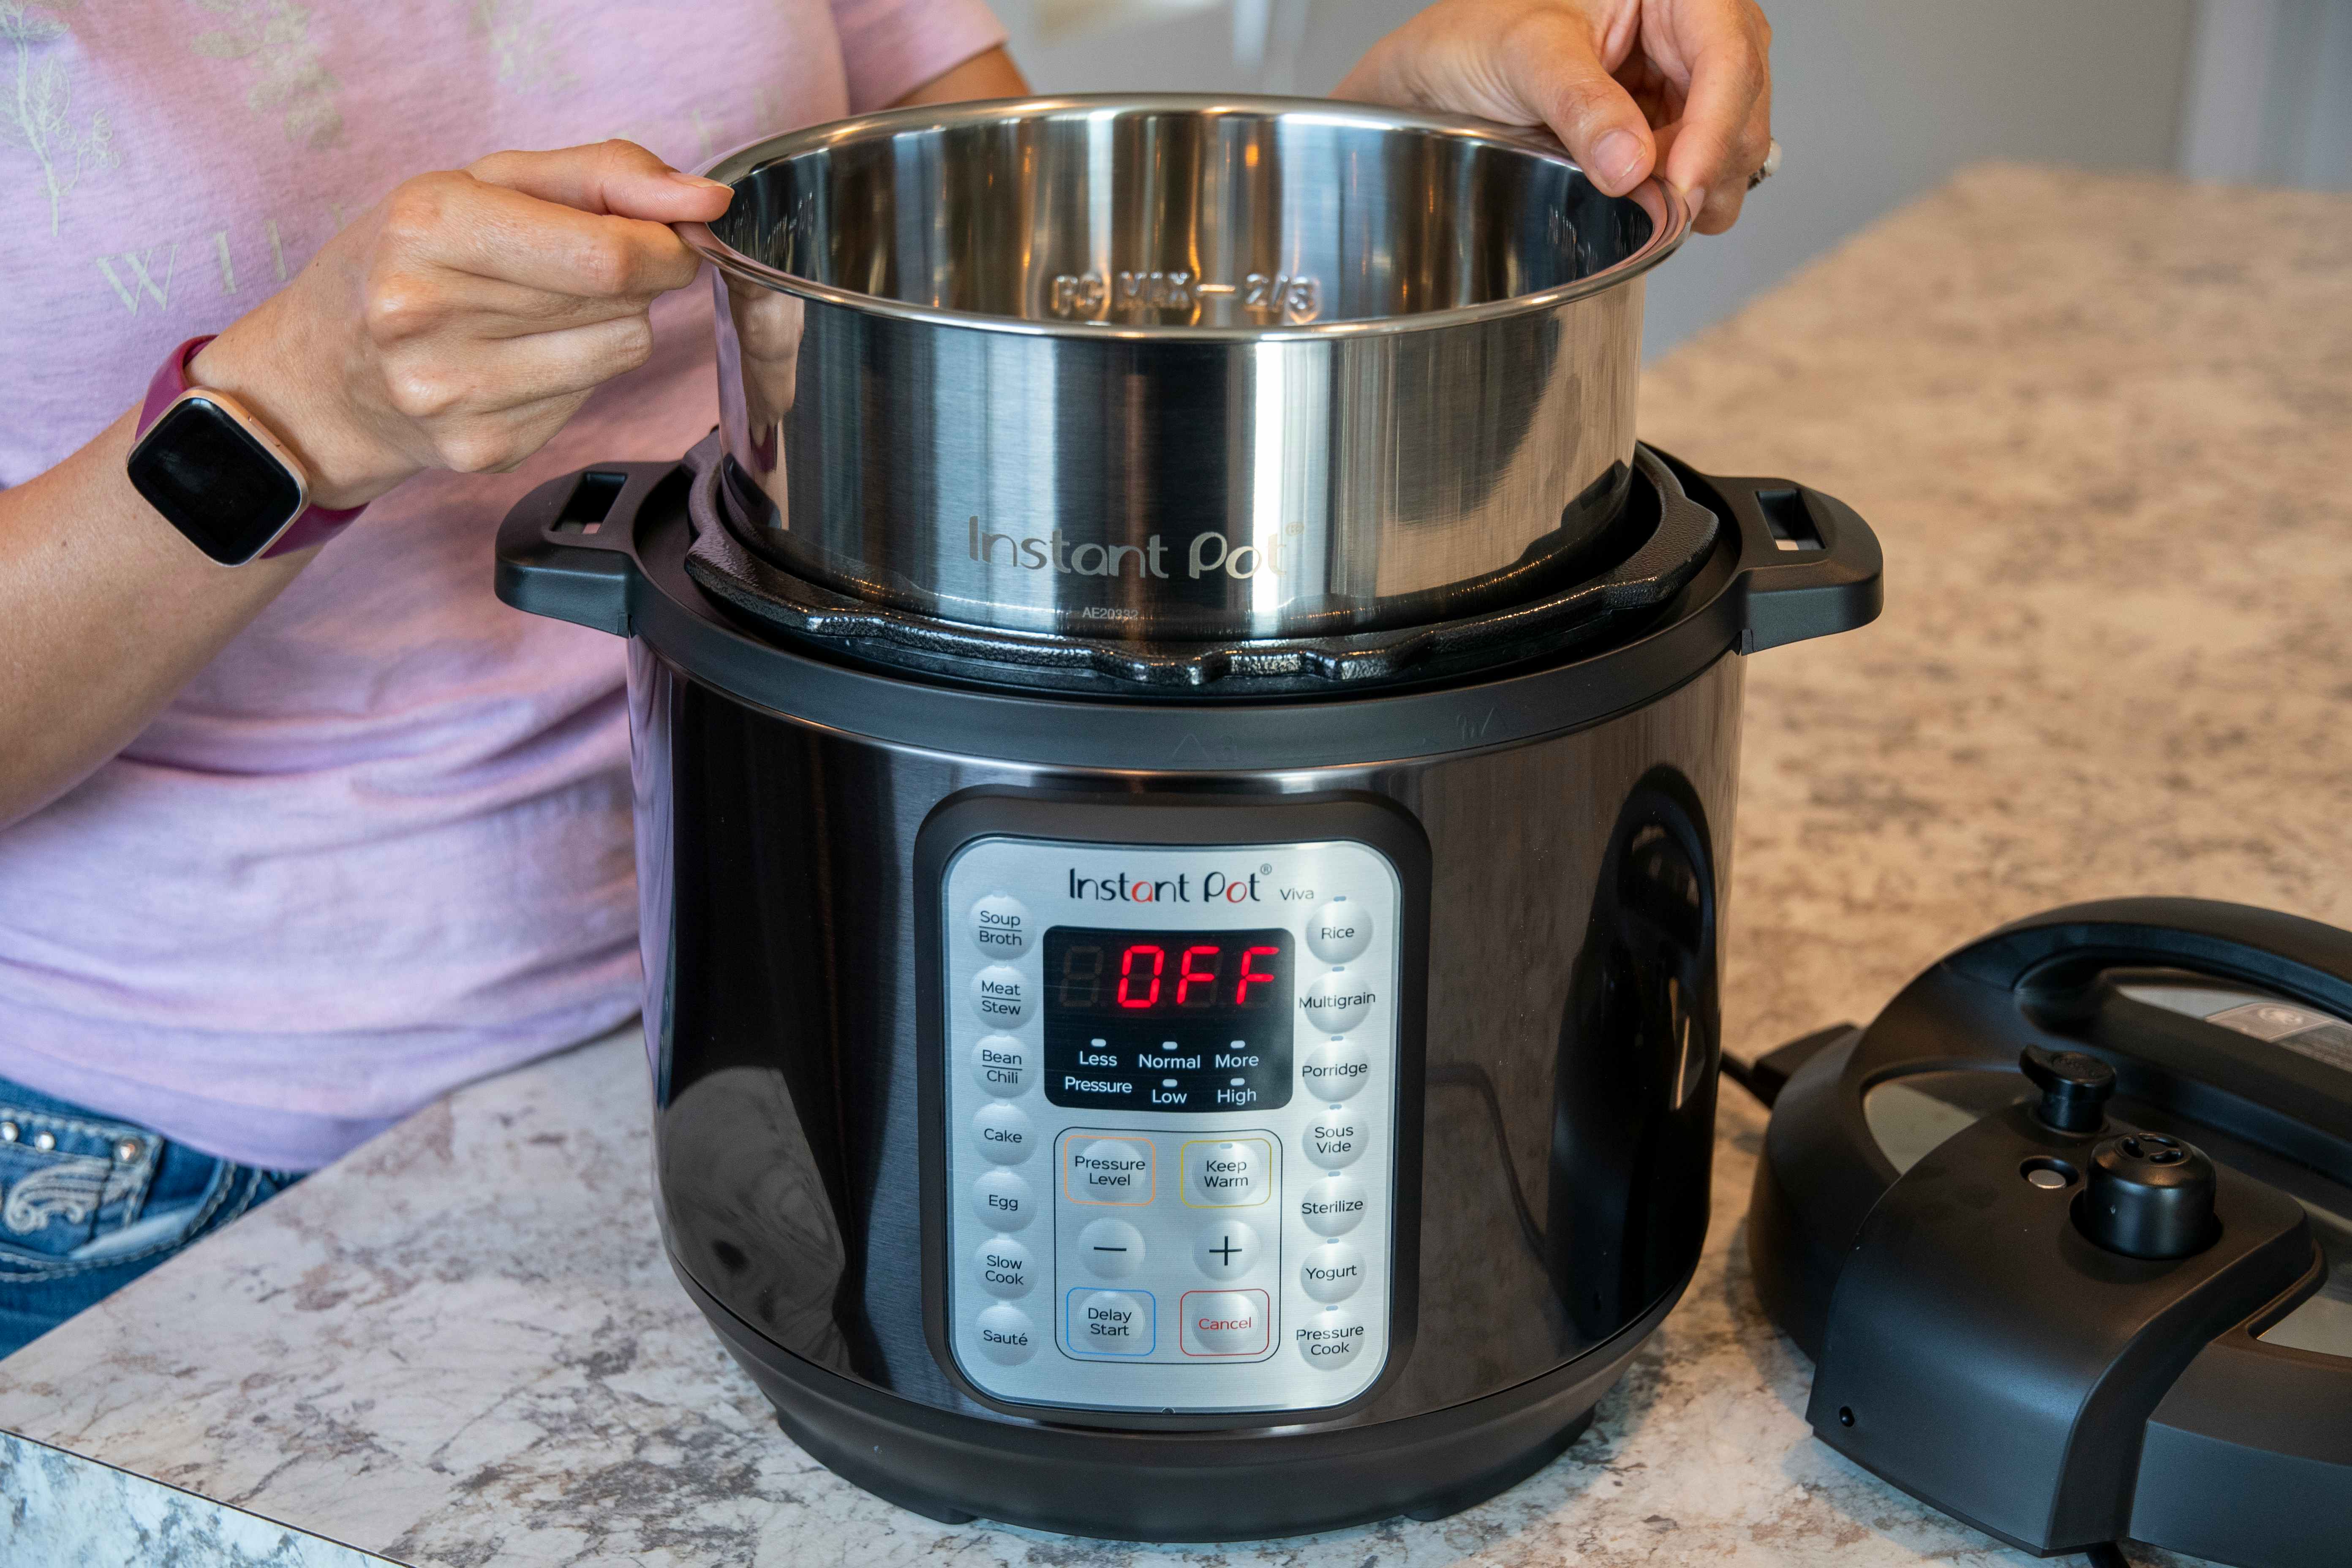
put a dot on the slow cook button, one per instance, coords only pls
(1226, 1322)
(1331, 1272)
(1227, 1173)
(1334, 1070)
(1001, 1064)
(1110, 1322)
(1107, 1170)
(1335, 1141)
(1338, 933)
(1004, 1266)
(1004, 1132)
(1005, 1335)
(1332, 1206)
(1000, 996)
(999, 926)
(1337, 1001)
(1329, 1339)
(1004, 1200)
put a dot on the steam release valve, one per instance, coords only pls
(2149, 1196)
(2073, 1085)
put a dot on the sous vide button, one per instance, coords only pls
(1002, 996)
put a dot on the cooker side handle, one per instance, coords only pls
(568, 550)
(1810, 566)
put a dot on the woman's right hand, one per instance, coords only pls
(461, 320)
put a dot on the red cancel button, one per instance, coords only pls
(1226, 1322)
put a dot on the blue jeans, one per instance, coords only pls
(88, 1203)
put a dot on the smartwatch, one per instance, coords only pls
(217, 473)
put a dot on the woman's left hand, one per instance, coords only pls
(1630, 86)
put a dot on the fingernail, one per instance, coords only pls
(697, 181)
(1617, 157)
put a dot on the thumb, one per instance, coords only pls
(619, 178)
(1562, 81)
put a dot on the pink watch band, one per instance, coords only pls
(317, 523)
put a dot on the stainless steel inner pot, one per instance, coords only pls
(1178, 366)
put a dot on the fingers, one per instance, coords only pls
(618, 178)
(1726, 120)
(456, 222)
(1552, 63)
(474, 409)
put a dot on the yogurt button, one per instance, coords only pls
(1336, 1002)
(1005, 1335)
(1002, 995)
(1331, 1272)
(1005, 1133)
(1340, 931)
(1002, 1066)
(1005, 1266)
(1000, 926)
(1004, 1200)
(1333, 1206)
(1334, 1070)
(1334, 1141)
(1329, 1339)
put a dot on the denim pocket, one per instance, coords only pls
(66, 1181)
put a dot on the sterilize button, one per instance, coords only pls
(1000, 926)
(1005, 1335)
(1001, 1064)
(1333, 1206)
(1226, 1250)
(1111, 1249)
(1225, 1322)
(1227, 1173)
(1330, 1338)
(1107, 1170)
(1334, 1141)
(1337, 1001)
(1338, 933)
(1002, 995)
(1004, 1200)
(1004, 1266)
(1331, 1272)
(1004, 1132)
(1334, 1070)
(1111, 1323)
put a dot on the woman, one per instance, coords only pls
(289, 848)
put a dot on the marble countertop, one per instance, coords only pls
(2099, 423)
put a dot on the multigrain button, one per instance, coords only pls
(1338, 933)
(1329, 1339)
(1337, 1001)
(1332, 1206)
(1003, 1065)
(1110, 1322)
(1226, 1250)
(1004, 1200)
(1107, 1170)
(1225, 1322)
(1227, 1173)
(1110, 1249)
(1335, 1138)
(1005, 1266)
(1000, 926)
(1333, 1070)
(1331, 1272)
(1006, 1336)
(1005, 1133)
(1002, 995)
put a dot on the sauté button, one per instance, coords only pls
(1005, 1335)
(1002, 1065)
(1334, 1070)
(1227, 1173)
(1004, 1200)
(1004, 1132)
(1110, 1322)
(1226, 1250)
(1329, 1339)
(1225, 1322)
(1005, 1268)
(1338, 933)
(1331, 1272)
(1332, 1206)
(1000, 926)
(1337, 1001)
(1002, 996)
(1107, 1170)
(1335, 1139)
(1111, 1249)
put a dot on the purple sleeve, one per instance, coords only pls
(892, 47)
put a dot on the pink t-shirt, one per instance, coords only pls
(381, 846)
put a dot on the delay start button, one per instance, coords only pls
(1110, 1322)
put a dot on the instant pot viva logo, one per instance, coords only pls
(1207, 554)
(1118, 887)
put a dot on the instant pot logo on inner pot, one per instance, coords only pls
(1207, 554)
(1213, 887)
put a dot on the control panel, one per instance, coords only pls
(1171, 1095)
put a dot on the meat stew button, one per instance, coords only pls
(1002, 995)
(1225, 1322)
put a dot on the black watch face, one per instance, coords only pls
(206, 474)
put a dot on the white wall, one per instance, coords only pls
(1876, 99)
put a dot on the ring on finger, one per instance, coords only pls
(1769, 167)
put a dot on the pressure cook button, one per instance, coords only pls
(1005, 1133)
(1337, 1001)
(1227, 1173)
(1226, 1322)
(1005, 1268)
(1338, 933)
(1002, 1065)
(1226, 1250)
(1331, 1272)
(1002, 996)
(1329, 1339)
(1110, 1322)
(1334, 1142)
(1000, 926)
(1004, 1200)
(1005, 1335)
(1334, 1070)
(1333, 1206)
(1107, 1170)
(1111, 1249)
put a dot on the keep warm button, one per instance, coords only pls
(1110, 1322)
(1226, 1322)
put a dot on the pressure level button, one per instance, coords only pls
(1337, 1001)
(1340, 932)
(1000, 926)
(1002, 996)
